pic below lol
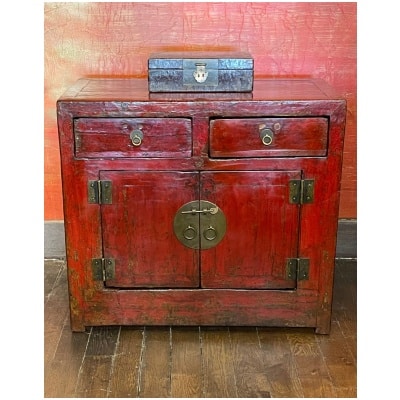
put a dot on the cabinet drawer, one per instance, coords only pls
(268, 137)
(133, 137)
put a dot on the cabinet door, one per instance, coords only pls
(138, 229)
(262, 229)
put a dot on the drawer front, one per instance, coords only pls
(133, 137)
(269, 137)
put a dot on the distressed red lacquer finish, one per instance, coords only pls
(184, 209)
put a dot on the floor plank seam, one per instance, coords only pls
(295, 367)
(140, 369)
(113, 358)
(81, 366)
(202, 372)
(234, 369)
(354, 356)
(170, 363)
(331, 378)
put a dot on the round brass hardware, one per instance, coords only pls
(136, 137)
(189, 232)
(199, 216)
(210, 233)
(266, 136)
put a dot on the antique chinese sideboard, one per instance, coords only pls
(201, 209)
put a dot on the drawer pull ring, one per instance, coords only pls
(189, 232)
(136, 137)
(210, 233)
(266, 136)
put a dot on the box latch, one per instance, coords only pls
(200, 72)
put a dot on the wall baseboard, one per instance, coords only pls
(346, 246)
(54, 239)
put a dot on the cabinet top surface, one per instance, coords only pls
(132, 89)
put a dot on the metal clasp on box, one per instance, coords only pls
(201, 74)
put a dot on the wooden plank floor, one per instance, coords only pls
(199, 361)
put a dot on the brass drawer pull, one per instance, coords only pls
(136, 137)
(266, 135)
(210, 233)
(189, 233)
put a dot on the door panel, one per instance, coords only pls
(261, 229)
(138, 229)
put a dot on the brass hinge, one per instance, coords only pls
(100, 192)
(103, 269)
(301, 191)
(297, 268)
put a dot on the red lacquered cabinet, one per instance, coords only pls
(201, 209)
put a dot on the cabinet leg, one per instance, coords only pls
(324, 328)
(77, 325)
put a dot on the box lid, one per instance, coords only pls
(216, 60)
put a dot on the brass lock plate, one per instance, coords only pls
(200, 72)
(199, 224)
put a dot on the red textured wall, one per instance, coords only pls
(285, 39)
